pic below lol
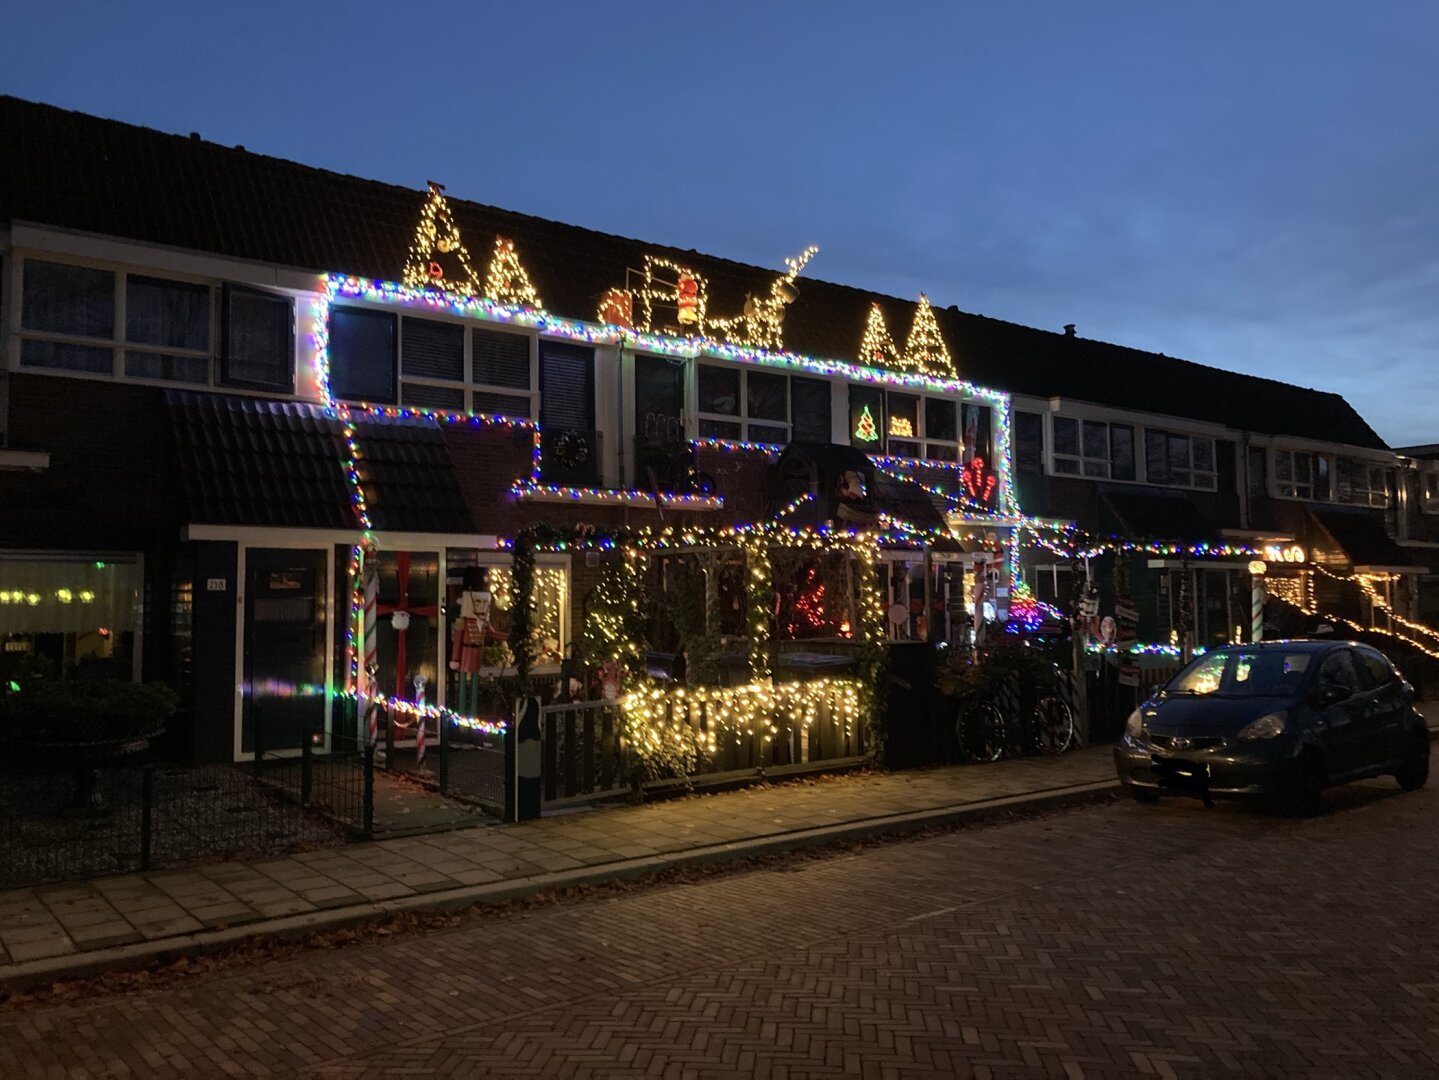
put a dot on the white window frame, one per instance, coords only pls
(1212, 473)
(1368, 494)
(742, 418)
(921, 436)
(1082, 461)
(1296, 490)
(116, 342)
(467, 384)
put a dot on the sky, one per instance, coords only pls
(1252, 185)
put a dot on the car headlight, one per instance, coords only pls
(1134, 726)
(1266, 727)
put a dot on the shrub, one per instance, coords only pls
(85, 711)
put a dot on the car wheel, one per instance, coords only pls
(1414, 773)
(1143, 795)
(1306, 798)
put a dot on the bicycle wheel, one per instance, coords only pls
(981, 732)
(1053, 725)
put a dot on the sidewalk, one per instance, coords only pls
(57, 930)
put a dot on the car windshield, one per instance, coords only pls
(1265, 673)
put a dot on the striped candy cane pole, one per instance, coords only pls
(370, 641)
(419, 737)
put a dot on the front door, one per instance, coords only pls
(284, 648)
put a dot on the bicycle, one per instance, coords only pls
(1052, 720)
(981, 729)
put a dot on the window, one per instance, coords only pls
(941, 429)
(362, 355)
(1361, 483)
(1029, 442)
(1380, 671)
(1180, 460)
(902, 424)
(172, 320)
(866, 418)
(1298, 475)
(1430, 493)
(501, 365)
(1081, 447)
(1257, 466)
(809, 407)
(432, 364)
(746, 405)
(72, 300)
(258, 346)
(1339, 671)
(1121, 452)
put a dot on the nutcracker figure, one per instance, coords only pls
(471, 633)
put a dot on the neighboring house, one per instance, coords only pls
(188, 332)
(1418, 531)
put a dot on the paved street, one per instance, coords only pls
(1112, 940)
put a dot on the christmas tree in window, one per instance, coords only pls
(438, 259)
(865, 430)
(507, 282)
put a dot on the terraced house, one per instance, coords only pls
(220, 369)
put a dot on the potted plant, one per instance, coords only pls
(85, 724)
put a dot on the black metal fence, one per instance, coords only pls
(59, 824)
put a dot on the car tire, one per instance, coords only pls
(1306, 792)
(1414, 773)
(1143, 795)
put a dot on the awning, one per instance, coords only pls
(246, 461)
(1360, 535)
(1158, 515)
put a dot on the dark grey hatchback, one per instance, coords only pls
(1282, 719)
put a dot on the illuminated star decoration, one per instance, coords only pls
(437, 241)
(877, 347)
(507, 282)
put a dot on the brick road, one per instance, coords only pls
(1108, 941)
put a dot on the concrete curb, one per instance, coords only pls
(144, 954)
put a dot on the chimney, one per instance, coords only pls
(1069, 329)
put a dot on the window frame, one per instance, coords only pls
(922, 440)
(1194, 471)
(221, 377)
(1319, 465)
(1367, 495)
(1429, 488)
(742, 417)
(1081, 459)
(118, 342)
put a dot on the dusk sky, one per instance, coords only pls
(1249, 185)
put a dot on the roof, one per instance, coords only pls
(75, 171)
(247, 461)
(1361, 536)
(1158, 515)
(1427, 451)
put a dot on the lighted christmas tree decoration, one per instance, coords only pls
(507, 282)
(925, 350)
(865, 430)
(438, 259)
(877, 347)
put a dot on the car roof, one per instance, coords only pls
(1289, 645)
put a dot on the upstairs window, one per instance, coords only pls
(116, 323)
(432, 364)
(1081, 447)
(362, 355)
(1430, 489)
(810, 410)
(1029, 442)
(1180, 460)
(745, 404)
(169, 321)
(935, 428)
(1300, 475)
(59, 304)
(501, 373)
(1361, 483)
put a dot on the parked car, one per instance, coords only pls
(1280, 719)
